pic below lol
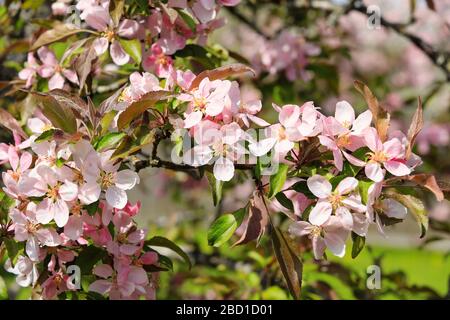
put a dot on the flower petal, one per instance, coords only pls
(319, 186)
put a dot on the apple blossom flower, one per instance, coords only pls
(208, 100)
(98, 18)
(344, 132)
(157, 62)
(30, 71)
(51, 68)
(57, 283)
(120, 283)
(56, 194)
(114, 182)
(342, 201)
(390, 154)
(27, 228)
(329, 234)
(296, 124)
(220, 145)
(25, 269)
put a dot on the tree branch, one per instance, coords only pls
(439, 59)
(155, 161)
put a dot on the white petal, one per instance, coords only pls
(127, 179)
(117, 198)
(223, 169)
(319, 186)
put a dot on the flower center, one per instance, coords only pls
(199, 103)
(378, 156)
(109, 35)
(315, 232)
(343, 141)
(335, 200)
(107, 179)
(31, 227)
(53, 192)
(282, 134)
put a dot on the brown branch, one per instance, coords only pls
(155, 161)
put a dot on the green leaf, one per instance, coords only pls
(116, 10)
(302, 187)
(46, 135)
(3, 290)
(363, 187)
(12, 248)
(109, 141)
(188, 19)
(290, 264)
(224, 227)
(89, 257)
(61, 116)
(216, 188)
(358, 244)
(415, 206)
(166, 243)
(5, 203)
(284, 201)
(133, 48)
(277, 180)
(92, 208)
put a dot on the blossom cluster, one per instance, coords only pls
(161, 35)
(217, 119)
(69, 197)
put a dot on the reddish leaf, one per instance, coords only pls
(221, 73)
(290, 264)
(61, 116)
(59, 32)
(256, 222)
(429, 182)
(9, 122)
(83, 64)
(381, 117)
(415, 128)
(431, 5)
(137, 108)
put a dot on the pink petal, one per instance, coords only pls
(118, 55)
(347, 185)
(374, 172)
(319, 186)
(103, 270)
(116, 197)
(397, 168)
(345, 113)
(320, 213)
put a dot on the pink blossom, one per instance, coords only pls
(296, 124)
(344, 132)
(51, 68)
(56, 194)
(25, 269)
(207, 100)
(220, 145)
(27, 228)
(329, 234)
(342, 201)
(99, 19)
(30, 70)
(390, 154)
(157, 62)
